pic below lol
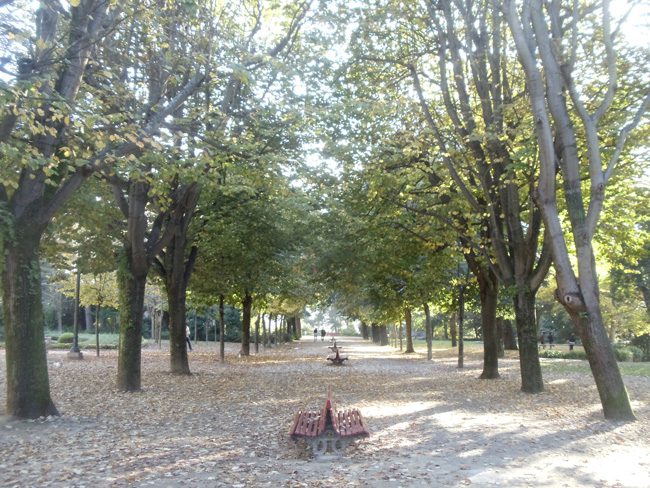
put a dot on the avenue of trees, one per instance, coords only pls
(387, 160)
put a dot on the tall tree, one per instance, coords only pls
(38, 135)
(557, 44)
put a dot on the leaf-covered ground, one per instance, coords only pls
(226, 425)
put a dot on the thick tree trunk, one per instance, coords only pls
(365, 331)
(383, 335)
(131, 289)
(428, 330)
(28, 389)
(374, 332)
(531, 371)
(488, 290)
(590, 326)
(408, 319)
(247, 304)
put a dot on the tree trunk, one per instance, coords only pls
(488, 290)
(408, 319)
(99, 309)
(59, 314)
(500, 349)
(550, 83)
(509, 338)
(131, 289)
(531, 371)
(383, 335)
(429, 331)
(365, 331)
(88, 323)
(247, 304)
(28, 389)
(176, 303)
(452, 329)
(461, 326)
(222, 329)
(257, 334)
(374, 333)
(602, 360)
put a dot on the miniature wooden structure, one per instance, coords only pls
(336, 359)
(328, 430)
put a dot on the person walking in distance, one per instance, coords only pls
(322, 335)
(187, 337)
(315, 334)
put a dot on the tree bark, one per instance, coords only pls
(176, 302)
(428, 330)
(452, 328)
(531, 371)
(28, 390)
(408, 319)
(383, 335)
(500, 347)
(488, 291)
(461, 326)
(88, 315)
(374, 332)
(365, 331)
(131, 288)
(247, 304)
(222, 329)
(509, 337)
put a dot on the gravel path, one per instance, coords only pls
(226, 425)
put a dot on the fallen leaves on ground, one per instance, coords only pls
(226, 424)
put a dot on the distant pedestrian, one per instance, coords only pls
(541, 340)
(187, 336)
(572, 342)
(315, 334)
(322, 335)
(550, 340)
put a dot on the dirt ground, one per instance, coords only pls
(226, 425)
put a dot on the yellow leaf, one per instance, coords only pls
(75, 3)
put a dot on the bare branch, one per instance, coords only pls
(622, 137)
(434, 126)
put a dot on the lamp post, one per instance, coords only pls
(75, 352)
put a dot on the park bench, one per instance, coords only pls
(336, 358)
(328, 430)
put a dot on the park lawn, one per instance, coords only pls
(474, 349)
(569, 366)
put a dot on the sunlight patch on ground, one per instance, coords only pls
(385, 411)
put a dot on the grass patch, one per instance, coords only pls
(578, 366)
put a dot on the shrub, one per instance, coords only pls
(643, 343)
(625, 353)
(551, 353)
(66, 338)
(637, 353)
